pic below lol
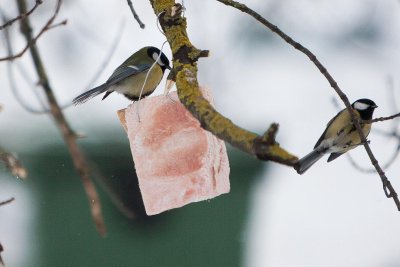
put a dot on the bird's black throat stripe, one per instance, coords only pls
(136, 98)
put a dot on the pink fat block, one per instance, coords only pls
(177, 162)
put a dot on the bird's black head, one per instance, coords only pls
(365, 107)
(154, 53)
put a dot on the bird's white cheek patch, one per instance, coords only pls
(360, 106)
(155, 57)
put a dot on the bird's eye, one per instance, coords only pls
(157, 58)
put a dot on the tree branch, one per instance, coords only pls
(135, 15)
(5, 202)
(78, 158)
(388, 188)
(49, 25)
(1, 259)
(383, 118)
(386, 165)
(184, 73)
(1, 247)
(11, 21)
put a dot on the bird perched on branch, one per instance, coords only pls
(340, 134)
(132, 76)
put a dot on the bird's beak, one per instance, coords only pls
(374, 106)
(168, 67)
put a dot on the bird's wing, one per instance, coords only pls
(326, 129)
(335, 155)
(124, 72)
(118, 75)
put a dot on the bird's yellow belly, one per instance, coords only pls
(133, 85)
(349, 138)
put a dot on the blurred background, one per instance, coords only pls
(333, 215)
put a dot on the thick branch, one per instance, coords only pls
(185, 57)
(389, 190)
(68, 135)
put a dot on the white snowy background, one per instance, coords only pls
(333, 215)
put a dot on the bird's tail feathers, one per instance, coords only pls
(307, 161)
(89, 94)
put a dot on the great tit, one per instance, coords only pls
(340, 135)
(129, 78)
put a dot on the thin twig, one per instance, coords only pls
(135, 15)
(5, 202)
(373, 170)
(115, 199)
(1, 247)
(392, 134)
(21, 99)
(383, 118)
(107, 58)
(11, 21)
(1, 259)
(45, 110)
(387, 186)
(49, 25)
(78, 158)
(392, 95)
(11, 76)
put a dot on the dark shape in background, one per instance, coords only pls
(208, 233)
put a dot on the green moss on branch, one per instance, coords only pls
(185, 57)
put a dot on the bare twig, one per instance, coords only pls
(383, 118)
(135, 15)
(106, 60)
(101, 179)
(78, 158)
(49, 25)
(13, 164)
(1, 247)
(5, 202)
(373, 170)
(44, 110)
(20, 99)
(392, 134)
(1, 259)
(11, 76)
(10, 22)
(388, 188)
(392, 95)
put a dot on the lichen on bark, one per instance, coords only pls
(185, 56)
